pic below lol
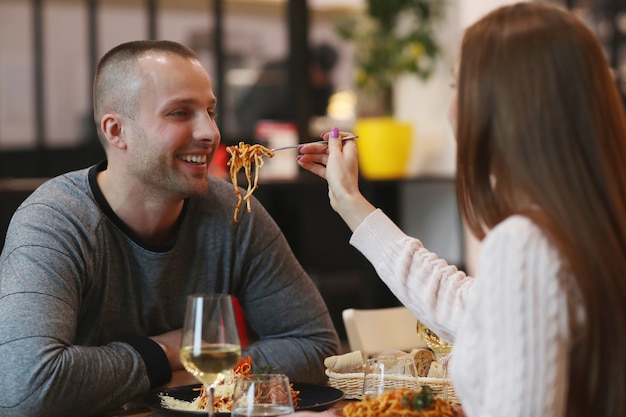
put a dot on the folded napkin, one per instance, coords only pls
(346, 363)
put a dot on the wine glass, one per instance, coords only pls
(210, 346)
(440, 347)
(388, 373)
(262, 395)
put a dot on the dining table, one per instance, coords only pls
(142, 409)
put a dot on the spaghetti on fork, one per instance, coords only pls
(244, 156)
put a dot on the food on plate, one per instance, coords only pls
(244, 156)
(223, 393)
(401, 402)
(346, 363)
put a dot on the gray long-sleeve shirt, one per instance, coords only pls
(77, 288)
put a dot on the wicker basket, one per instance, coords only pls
(352, 385)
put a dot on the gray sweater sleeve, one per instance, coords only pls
(40, 297)
(296, 332)
(282, 304)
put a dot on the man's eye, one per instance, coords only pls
(179, 113)
(212, 114)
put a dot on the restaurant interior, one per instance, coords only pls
(48, 51)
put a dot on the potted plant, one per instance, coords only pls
(391, 38)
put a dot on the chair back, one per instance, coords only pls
(373, 331)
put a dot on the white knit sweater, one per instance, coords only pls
(510, 325)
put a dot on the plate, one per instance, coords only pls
(312, 398)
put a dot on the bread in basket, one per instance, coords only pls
(346, 372)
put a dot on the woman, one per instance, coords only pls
(541, 179)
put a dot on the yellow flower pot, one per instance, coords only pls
(384, 146)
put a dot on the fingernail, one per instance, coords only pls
(298, 157)
(334, 133)
(299, 149)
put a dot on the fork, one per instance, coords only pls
(306, 143)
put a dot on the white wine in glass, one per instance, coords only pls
(440, 347)
(210, 346)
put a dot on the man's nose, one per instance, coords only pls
(206, 129)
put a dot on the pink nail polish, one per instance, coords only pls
(334, 132)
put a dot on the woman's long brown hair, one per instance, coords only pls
(541, 131)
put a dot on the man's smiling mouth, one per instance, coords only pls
(193, 159)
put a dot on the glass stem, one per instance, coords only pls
(444, 369)
(211, 401)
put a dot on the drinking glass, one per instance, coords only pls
(388, 373)
(440, 347)
(262, 395)
(210, 346)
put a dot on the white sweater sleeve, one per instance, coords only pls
(433, 290)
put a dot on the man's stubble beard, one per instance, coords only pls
(157, 171)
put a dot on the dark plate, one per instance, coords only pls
(313, 398)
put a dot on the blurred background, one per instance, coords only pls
(283, 72)
(48, 51)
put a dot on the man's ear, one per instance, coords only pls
(111, 125)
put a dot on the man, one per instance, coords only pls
(97, 263)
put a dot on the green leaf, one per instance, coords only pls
(385, 32)
(418, 400)
(267, 369)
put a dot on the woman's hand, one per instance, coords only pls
(337, 162)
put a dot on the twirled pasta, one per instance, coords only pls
(243, 156)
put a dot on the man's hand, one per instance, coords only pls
(170, 343)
